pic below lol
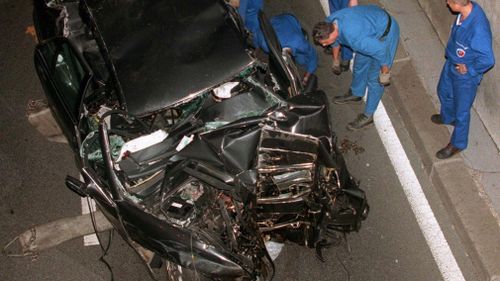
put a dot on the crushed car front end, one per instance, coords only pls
(201, 161)
(212, 204)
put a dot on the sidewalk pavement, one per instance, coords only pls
(469, 184)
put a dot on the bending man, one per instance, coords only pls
(249, 11)
(373, 35)
(345, 52)
(290, 35)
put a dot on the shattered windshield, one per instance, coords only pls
(245, 101)
(243, 97)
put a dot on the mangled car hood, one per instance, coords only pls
(159, 59)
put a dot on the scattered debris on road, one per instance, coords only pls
(347, 145)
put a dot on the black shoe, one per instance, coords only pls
(344, 65)
(447, 151)
(362, 121)
(436, 119)
(348, 98)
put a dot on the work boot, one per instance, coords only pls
(344, 65)
(362, 121)
(348, 98)
(447, 151)
(436, 119)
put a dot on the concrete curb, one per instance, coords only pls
(470, 211)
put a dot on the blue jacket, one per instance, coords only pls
(289, 32)
(361, 28)
(470, 43)
(336, 5)
(249, 11)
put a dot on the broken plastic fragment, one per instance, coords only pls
(142, 142)
(274, 249)
(214, 125)
(224, 90)
(184, 142)
(101, 112)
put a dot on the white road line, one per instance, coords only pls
(411, 186)
(431, 230)
(91, 239)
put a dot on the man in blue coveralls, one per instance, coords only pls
(249, 12)
(469, 55)
(290, 35)
(373, 35)
(345, 52)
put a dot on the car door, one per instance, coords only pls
(64, 78)
(281, 62)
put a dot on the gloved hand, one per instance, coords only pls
(336, 67)
(384, 78)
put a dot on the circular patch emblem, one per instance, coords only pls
(460, 52)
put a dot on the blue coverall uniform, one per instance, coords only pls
(289, 33)
(470, 43)
(362, 29)
(335, 5)
(249, 12)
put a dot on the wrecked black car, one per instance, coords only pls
(192, 147)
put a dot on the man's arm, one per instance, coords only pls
(353, 3)
(481, 45)
(336, 53)
(336, 69)
(306, 56)
(242, 9)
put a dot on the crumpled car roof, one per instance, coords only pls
(164, 51)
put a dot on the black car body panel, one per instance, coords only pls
(164, 51)
(190, 152)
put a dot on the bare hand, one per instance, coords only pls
(306, 78)
(234, 3)
(385, 69)
(461, 68)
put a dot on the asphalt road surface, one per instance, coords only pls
(389, 246)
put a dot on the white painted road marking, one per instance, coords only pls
(91, 239)
(431, 230)
(426, 220)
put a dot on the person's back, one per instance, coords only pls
(249, 12)
(363, 20)
(336, 5)
(290, 35)
(288, 31)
